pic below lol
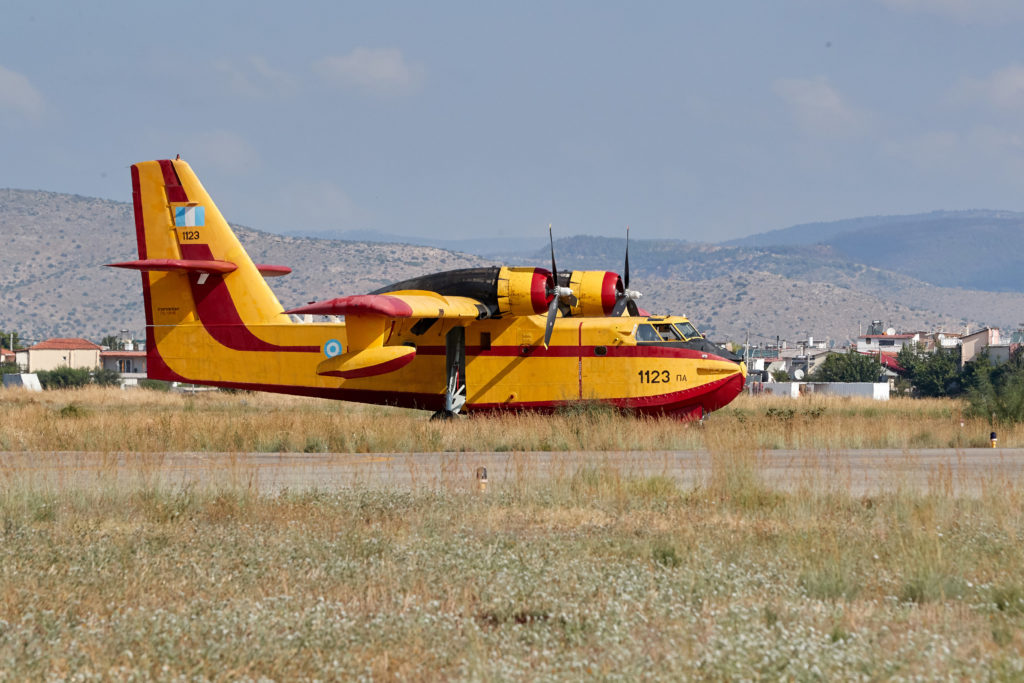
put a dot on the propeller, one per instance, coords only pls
(559, 295)
(626, 297)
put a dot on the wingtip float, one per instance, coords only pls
(478, 339)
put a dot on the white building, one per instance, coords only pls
(974, 343)
(888, 342)
(131, 365)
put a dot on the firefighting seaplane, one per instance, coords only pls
(465, 341)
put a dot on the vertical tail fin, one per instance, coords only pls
(197, 278)
(197, 269)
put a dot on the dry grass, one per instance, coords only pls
(587, 571)
(109, 420)
(596, 573)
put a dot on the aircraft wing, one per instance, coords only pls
(366, 321)
(402, 304)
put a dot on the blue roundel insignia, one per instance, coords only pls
(332, 348)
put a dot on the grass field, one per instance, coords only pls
(590, 574)
(146, 421)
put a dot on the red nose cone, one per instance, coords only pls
(543, 282)
(610, 287)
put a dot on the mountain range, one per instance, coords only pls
(971, 249)
(943, 270)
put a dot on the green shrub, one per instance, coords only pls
(64, 378)
(847, 367)
(996, 391)
(106, 377)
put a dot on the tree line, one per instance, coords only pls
(994, 391)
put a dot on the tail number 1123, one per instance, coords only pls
(654, 376)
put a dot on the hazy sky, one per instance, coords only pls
(693, 120)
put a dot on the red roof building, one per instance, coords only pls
(886, 360)
(72, 352)
(65, 344)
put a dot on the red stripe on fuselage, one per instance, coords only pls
(156, 367)
(576, 351)
(706, 397)
(216, 310)
(373, 370)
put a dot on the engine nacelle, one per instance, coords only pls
(524, 291)
(596, 292)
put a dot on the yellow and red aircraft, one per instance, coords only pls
(477, 339)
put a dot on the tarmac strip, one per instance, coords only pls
(972, 471)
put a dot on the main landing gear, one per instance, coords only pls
(455, 357)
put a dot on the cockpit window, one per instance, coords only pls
(668, 332)
(647, 333)
(688, 331)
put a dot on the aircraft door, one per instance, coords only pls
(603, 372)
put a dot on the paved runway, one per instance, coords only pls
(962, 471)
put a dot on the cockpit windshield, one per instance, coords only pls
(668, 332)
(688, 330)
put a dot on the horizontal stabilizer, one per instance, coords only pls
(267, 270)
(170, 265)
(177, 265)
(367, 362)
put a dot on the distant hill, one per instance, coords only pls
(481, 246)
(970, 249)
(52, 282)
(785, 291)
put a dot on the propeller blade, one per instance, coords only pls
(625, 281)
(550, 325)
(626, 297)
(562, 298)
(554, 268)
